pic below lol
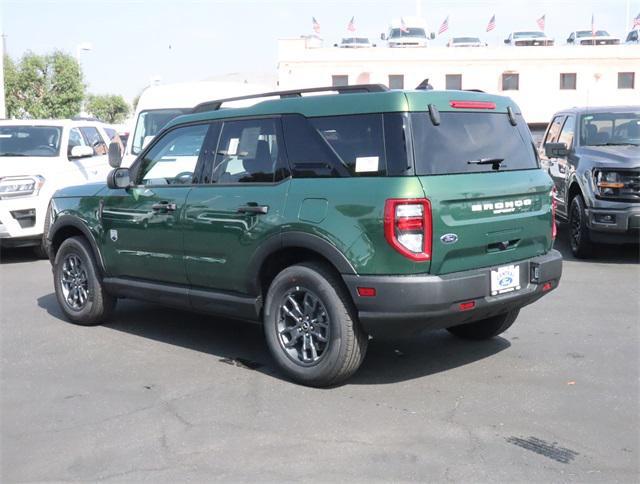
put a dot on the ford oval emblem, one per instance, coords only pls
(449, 238)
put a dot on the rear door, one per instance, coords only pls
(485, 213)
(237, 206)
(142, 225)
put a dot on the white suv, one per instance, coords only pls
(38, 157)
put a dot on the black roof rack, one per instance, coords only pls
(355, 88)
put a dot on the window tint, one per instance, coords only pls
(309, 156)
(568, 80)
(173, 159)
(554, 130)
(453, 81)
(396, 136)
(626, 80)
(30, 140)
(358, 140)
(463, 137)
(396, 81)
(94, 140)
(249, 151)
(568, 130)
(610, 128)
(510, 81)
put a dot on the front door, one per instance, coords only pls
(228, 219)
(143, 225)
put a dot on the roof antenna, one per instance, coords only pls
(425, 86)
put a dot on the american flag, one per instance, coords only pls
(352, 26)
(593, 26)
(445, 26)
(403, 26)
(492, 24)
(541, 22)
(636, 21)
(316, 25)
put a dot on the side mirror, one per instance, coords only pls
(115, 154)
(556, 150)
(373, 45)
(569, 40)
(118, 178)
(146, 140)
(81, 152)
(507, 41)
(335, 45)
(382, 36)
(432, 35)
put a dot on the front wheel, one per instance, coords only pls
(311, 327)
(78, 286)
(581, 245)
(485, 328)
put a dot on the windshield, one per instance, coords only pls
(409, 32)
(463, 141)
(610, 129)
(30, 140)
(588, 33)
(519, 35)
(465, 40)
(150, 123)
(355, 40)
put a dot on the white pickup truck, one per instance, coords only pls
(38, 157)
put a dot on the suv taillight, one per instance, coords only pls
(554, 204)
(407, 227)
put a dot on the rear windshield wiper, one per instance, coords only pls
(494, 162)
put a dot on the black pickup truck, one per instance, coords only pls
(593, 156)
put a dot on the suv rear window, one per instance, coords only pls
(462, 137)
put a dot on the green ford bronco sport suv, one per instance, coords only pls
(325, 218)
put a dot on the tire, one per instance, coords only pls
(82, 297)
(321, 300)
(485, 328)
(40, 251)
(579, 237)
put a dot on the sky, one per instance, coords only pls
(136, 41)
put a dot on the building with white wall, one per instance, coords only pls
(542, 80)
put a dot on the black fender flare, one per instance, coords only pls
(293, 239)
(64, 221)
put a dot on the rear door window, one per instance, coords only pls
(94, 140)
(463, 138)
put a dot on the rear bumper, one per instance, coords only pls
(405, 304)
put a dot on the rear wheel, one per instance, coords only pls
(579, 237)
(311, 327)
(78, 286)
(485, 328)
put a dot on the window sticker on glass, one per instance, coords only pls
(233, 146)
(366, 163)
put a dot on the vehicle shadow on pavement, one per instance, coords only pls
(242, 344)
(602, 253)
(17, 255)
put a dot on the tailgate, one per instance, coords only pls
(488, 219)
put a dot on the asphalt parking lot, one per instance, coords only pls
(165, 395)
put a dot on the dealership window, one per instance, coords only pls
(396, 81)
(568, 80)
(510, 81)
(626, 80)
(453, 81)
(340, 80)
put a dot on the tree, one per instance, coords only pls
(108, 108)
(48, 86)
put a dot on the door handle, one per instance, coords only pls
(164, 207)
(253, 208)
